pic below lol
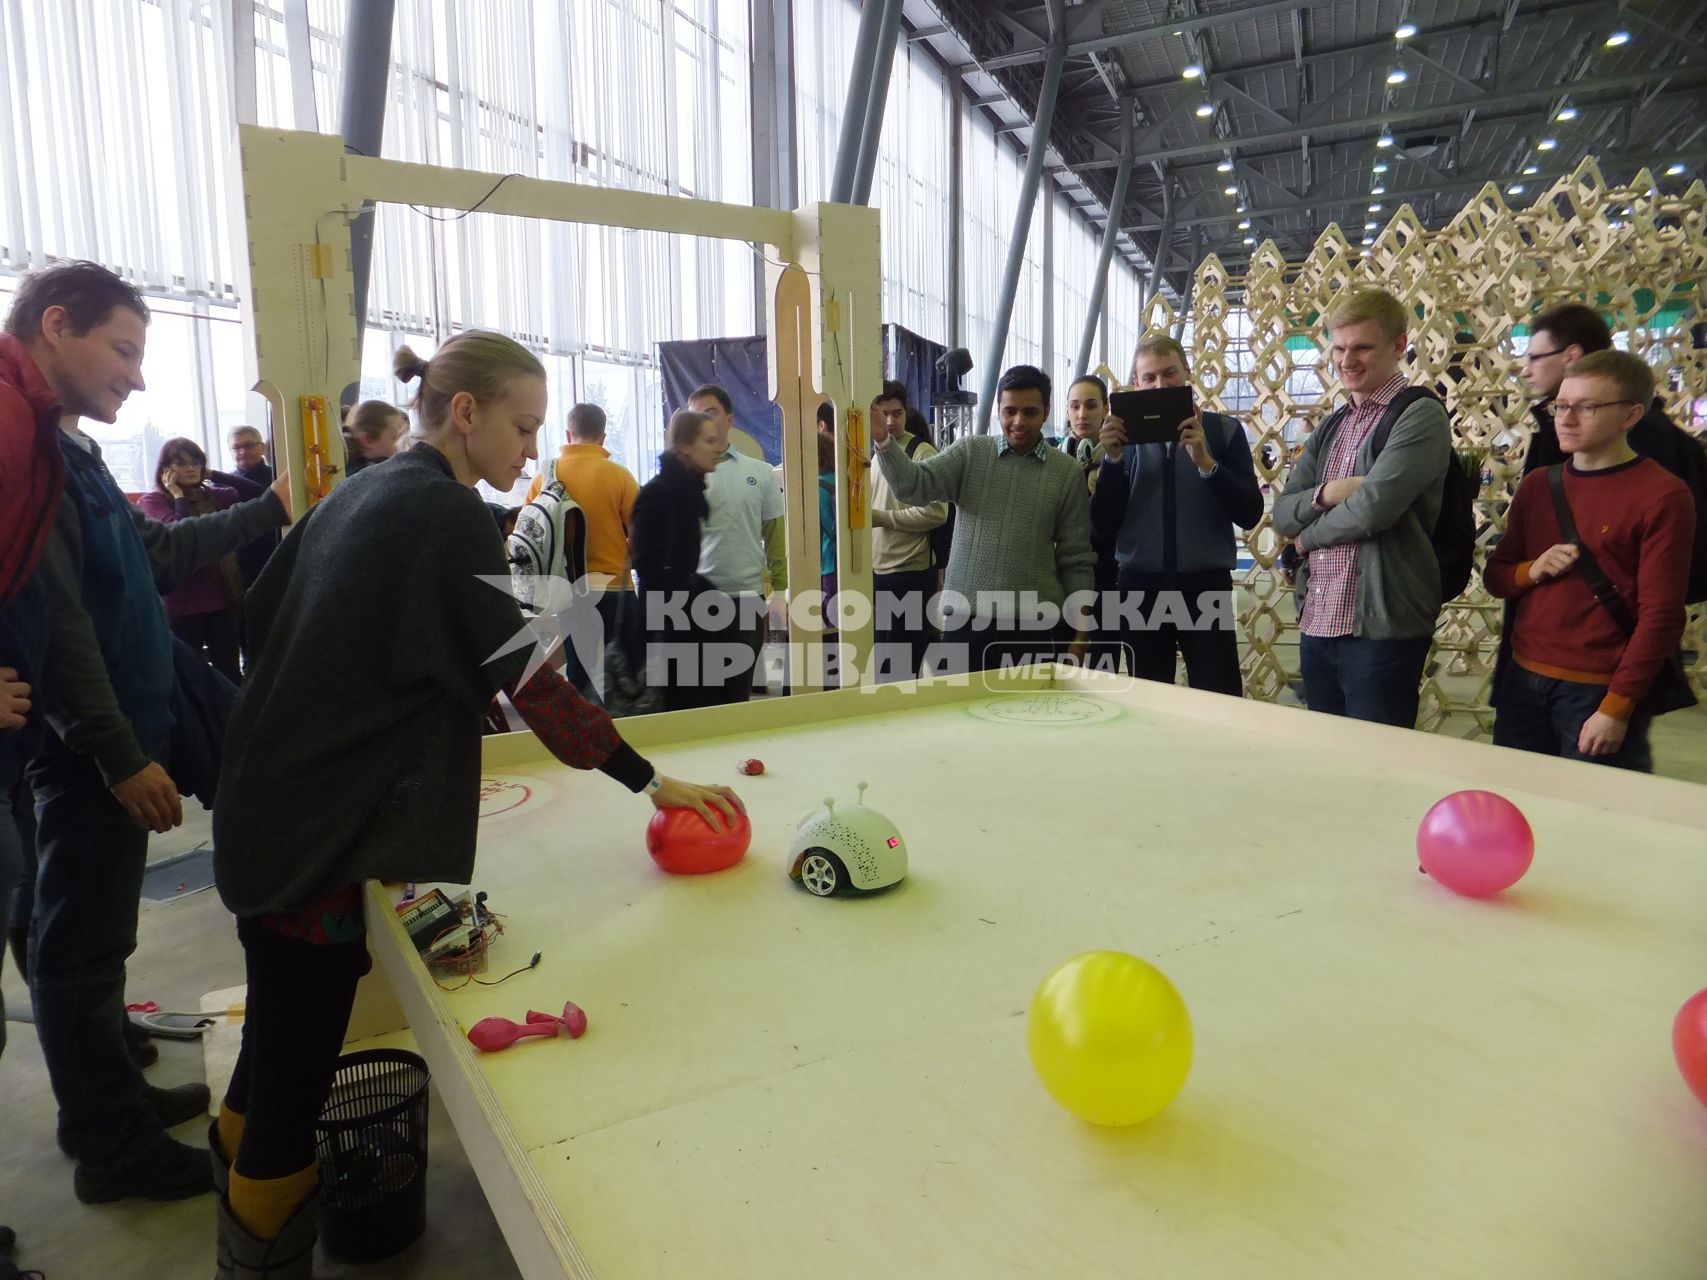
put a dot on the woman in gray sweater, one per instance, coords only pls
(354, 754)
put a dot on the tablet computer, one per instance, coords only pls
(1153, 416)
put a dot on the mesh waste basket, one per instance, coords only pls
(371, 1140)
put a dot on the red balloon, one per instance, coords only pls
(1475, 843)
(682, 842)
(1689, 1043)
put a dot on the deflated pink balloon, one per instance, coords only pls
(1475, 843)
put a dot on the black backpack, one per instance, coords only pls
(941, 537)
(1691, 468)
(1454, 535)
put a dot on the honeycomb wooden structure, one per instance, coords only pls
(1635, 253)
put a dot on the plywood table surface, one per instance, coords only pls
(1389, 1080)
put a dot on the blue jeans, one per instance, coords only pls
(88, 889)
(1374, 680)
(1538, 713)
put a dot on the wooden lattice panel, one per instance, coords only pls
(1630, 252)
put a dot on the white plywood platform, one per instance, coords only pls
(1390, 1081)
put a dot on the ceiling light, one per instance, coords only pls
(1245, 224)
(1398, 75)
(1205, 110)
(1673, 170)
(1515, 189)
(1546, 144)
(1530, 168)
(1241, 207)
(1375, 208)
(1406, 31)
(1378, 191)
(1193, 71)
(1566, 113)
(1368, 239)
(1617, 38)
(1250, 239)
(1229, 191)
(1385, 140)
(1226, 166)
(1380, 166)
(1370, 225)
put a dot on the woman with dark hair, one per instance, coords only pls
(205, 610)
(664, 545)
(373, 432)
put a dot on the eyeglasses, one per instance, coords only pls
(1530, 357)
(1583, 408)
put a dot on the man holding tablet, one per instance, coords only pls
(1173, 482)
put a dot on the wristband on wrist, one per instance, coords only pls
(653, 787)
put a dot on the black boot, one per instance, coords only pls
(171, 1171)
(172, 1107)
(287, 1256)
(178, 1105)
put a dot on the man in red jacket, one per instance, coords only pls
(1578, 673)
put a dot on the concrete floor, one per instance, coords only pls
(187, 948)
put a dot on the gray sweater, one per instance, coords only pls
(382, 626)
(1391, 517)
(1022, 522)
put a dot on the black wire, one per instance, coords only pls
(495, 981)
(463, 213)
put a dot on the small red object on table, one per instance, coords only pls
(751, 767)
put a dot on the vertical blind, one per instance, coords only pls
(644, 94)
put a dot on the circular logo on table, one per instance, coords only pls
(1045, 709)
(503, 794)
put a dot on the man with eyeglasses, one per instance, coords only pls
(1558, 338)
(249, 454)
(1594, 562)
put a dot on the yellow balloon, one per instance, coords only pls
(1109, 1038)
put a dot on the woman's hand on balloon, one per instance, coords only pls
(673, 793)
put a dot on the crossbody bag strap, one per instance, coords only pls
(1605, 591)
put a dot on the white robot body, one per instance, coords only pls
(854, 847)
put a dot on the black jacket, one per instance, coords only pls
(251, 558)
(1656, 436)
(664, 531)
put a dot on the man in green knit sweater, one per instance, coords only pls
(1021, 558)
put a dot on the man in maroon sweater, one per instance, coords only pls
(1575, 679)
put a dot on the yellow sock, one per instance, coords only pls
(264, 1205)
(230, 1133)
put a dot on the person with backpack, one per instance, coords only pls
(1168, 511)
(1595, 559)
(1363, 503)
(1562, 335)
(604, 490)
(903, 559)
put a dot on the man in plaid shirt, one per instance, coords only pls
(1368, 584)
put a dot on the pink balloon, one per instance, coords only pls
(1689, 1043)
(1475, 843)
